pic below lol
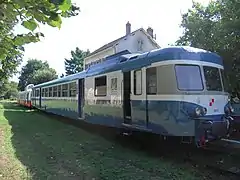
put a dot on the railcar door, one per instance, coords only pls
(127, 112)
(138, 98)
(126, 97)
(80, 97)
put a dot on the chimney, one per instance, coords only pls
(150, 31)
(128, 28)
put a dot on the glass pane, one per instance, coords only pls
(151, 75)
(225, 81)
(212, 78)
(189, 77)
(138, 82)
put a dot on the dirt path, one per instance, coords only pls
(3, 158)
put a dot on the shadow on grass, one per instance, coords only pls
(55, 150)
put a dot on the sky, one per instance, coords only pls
(102, 21)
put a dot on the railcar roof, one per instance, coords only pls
(128, 62)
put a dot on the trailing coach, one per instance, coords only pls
(25, 97)
(175, 91)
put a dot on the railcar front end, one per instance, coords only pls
(205, 100)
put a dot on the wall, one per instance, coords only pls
(99, 56)
(132, 44)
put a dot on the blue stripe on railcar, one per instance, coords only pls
(63, 107)
(164, 117)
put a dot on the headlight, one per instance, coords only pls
(200, 111)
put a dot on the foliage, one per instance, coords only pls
(30, 14)
(216, 27)
(8, 89)
(61, 76)
(33, 73)
(75, 63)
(43, 75)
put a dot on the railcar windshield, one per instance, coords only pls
(212, 78)
(189, 77)
(225, 81)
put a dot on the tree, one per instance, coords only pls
(30, 14)
(8, 90)
(44, 75)
(216, 28)
(8, 67)
(12, 91)
(75, 63)
(30, 73)
(62, 75)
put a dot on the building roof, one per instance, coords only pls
(111, 44)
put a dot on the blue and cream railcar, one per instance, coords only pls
(175, 91)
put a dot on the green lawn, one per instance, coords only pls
(35, 146)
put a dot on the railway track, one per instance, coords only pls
(223, 161)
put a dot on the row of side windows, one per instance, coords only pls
(100, 83)
(100, 86)
(64, 90)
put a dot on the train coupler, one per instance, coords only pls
(186, 140)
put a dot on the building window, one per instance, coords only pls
(114, 84)
(140, 45)
(151, 78)
(101, 86)
(138, 82)
(72, 89)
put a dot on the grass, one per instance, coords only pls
(35, 146)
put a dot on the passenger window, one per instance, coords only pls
(72, 89)
(55, 91)
(138, 82)
(50, 92)
(114, 84)
(151, 78)
(59, 91)
(43, 92)
(65, 90)
(46, 92)
(101, 86)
